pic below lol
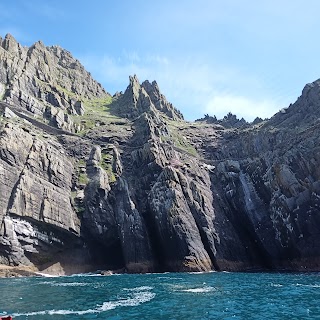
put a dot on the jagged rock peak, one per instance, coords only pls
(134, 81)
(150, 86)
(9, 43)
(46, 81)
(228, 121)
(39, 62)
(134, 87)
(160, 101)
(139, 98)
(38, 45)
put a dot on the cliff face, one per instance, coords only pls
(46, 81)
(139, 189)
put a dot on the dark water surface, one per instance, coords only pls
(164, 296)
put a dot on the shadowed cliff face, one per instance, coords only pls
(138, 188)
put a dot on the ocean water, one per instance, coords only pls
(216, 295)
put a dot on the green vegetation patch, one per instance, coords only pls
(106, 164)
(83, 178)
(179, 141)
(97, 113)
(81, 163)
(97, 102)
(70, 94)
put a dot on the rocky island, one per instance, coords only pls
(92, 181)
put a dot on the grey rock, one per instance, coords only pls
(43, 78)
(139, 98)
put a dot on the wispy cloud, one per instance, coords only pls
(245, 107)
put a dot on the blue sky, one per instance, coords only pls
(249, 57)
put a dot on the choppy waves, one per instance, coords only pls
(65, 284)
(167, 296)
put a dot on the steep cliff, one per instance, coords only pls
(129, 185)
(46, 81)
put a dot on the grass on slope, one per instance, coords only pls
(179, 140)
(97, 113)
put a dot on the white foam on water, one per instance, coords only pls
(153, 273)
(143, 288)
(200, 290)
(45, 282)
(46, 275)
(65, 312)
(55, 312)
(138, 296)
(35, 313)
(108, 306)
(201, 272)
(174, 287)
(65, 284)
(307, 285)
(276, 285)
(90, 274)
(69, 284)
(137, 299)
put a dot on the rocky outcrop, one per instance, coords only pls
(47, 81)
(228, 121)
(139, 98)
(140, 190)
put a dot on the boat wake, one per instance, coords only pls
(136, 297)
(307, 285)
(200, 290)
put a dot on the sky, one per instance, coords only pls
(251, 58)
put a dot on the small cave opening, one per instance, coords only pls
(106, 256)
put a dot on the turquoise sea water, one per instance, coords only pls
(163, 296)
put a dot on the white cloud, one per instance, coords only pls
(241, 106)
(132, 56)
